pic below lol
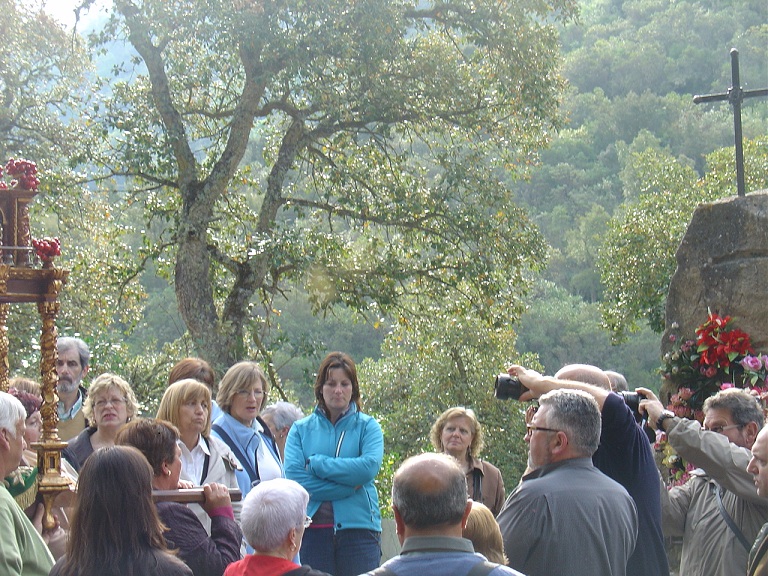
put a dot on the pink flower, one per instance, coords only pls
(710, 372)
(672, 338)
(685, 393)
(752, 363)
(726, 385)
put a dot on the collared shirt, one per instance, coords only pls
(69, 414)
(193, 461)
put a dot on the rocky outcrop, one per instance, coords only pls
(722, 265)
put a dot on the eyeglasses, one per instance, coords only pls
(307, 521)
(721, 429)
(114, 401)
(530, 428)
(247, 393)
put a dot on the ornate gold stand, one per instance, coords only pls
(19, 283)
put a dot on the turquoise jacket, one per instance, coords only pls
(338, 464)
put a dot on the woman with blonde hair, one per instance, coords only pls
(485, 533)
(457, 432)
(200, 370)
(242, 394)
(110, 404)
(204, 458)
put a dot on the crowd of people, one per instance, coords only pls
(592, 501)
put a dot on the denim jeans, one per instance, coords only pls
(345, 553)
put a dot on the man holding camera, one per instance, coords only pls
(624, 454)
(718, 511)
(566, 516)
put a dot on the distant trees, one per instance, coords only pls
(638, 258)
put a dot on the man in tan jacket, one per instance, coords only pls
(718, 511)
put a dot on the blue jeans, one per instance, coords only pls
(345, 553)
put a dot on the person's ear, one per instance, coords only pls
(399, 524)
(560, 443)
(751, 430)
(4, 440)
(467, 510)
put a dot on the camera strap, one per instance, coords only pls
(477, 485)
(718, 491)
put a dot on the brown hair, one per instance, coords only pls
(156, 439)
(195, 368)
(178, 394)
(115, 528)
(485, 533)
(336, 360)
(241, 376)
(436, 433)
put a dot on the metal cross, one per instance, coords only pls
(735, 96)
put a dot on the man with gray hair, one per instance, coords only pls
(567, 517)
(22, 550)
(72, 366)
(429, 499)
(718, 511)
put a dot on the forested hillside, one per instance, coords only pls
(632, 68)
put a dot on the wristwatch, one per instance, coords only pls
(663, 416)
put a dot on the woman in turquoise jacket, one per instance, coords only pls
(336, 453)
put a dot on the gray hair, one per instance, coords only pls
(577, 414)
(283, 414)
(68, 342)
(11, 412)
(744, 407)
(269, 512)
(442, 504)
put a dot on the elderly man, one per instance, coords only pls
(71, 366)
(567, 517)
(624, 454)
(429, 499)
(22, 549)
(758, 467)
(717, 511)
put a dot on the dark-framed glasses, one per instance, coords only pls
(530, 428)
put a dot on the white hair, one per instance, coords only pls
(11, 411)
(269, 512)
(283, 414)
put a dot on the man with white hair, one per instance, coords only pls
(22, 550)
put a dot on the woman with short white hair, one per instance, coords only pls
(273, 520)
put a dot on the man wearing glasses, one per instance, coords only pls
(567, 517)
(718, 511)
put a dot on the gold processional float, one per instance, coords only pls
(23, 281)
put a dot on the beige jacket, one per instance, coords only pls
(710, 548)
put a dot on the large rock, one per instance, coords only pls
(722, 265)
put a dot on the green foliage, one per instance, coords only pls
(446, 357)
(384, 125)
(638, 258)
(563, 329)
